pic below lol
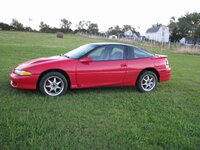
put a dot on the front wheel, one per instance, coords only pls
(53, 84)
(147, 81)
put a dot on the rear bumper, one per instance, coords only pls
(23, 82)
(165, 74)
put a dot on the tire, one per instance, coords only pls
(147, 81)
(53, 84)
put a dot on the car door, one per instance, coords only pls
(108, 67)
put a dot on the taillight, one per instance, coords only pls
(167, 63)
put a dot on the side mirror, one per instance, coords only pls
(86, 60)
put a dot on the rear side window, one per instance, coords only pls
(135, 53)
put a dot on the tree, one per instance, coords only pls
(17, 25)
(197, 33)
(115, 30)
(174, 30)
(186, 26)
(4, 26)
(82, 26)
(127, 27)
(44, 27)
(93, 28)
(65, 24)
(29, 29)
(189, 25)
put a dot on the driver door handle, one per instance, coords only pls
(123, 65)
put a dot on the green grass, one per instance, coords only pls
(99, 118)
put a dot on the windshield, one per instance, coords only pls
(80, 51)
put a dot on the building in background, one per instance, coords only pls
(190, 42)
(130, 34)
(159, 33)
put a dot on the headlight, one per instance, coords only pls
(22, 73)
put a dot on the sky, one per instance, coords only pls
(141, 14)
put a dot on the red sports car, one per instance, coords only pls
(93, 65)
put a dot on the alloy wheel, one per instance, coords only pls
(53, 85)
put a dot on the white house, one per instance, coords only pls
(158, 33)
(130, 34)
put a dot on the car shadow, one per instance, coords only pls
(104, 90)
(95, 90)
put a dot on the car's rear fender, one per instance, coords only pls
(161, 61)
(149, 69)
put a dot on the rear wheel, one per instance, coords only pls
(147, 81)
(53, 84)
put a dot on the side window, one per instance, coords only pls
(99, 54)
(117, 53)
(138, 53)
(107, 53)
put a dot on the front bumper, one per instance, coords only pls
(24, 82)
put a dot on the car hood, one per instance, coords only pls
(40, 61)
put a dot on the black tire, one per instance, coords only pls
(147, 81)
(53, 84)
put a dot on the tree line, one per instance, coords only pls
(65, 27)
(15, 26)
(187, 26)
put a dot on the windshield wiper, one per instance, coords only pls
(64, 55)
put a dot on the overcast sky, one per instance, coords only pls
(106, 13)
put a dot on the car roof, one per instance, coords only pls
(112, 43)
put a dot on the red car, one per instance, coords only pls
(93, 65)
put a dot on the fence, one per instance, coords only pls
(177, 47)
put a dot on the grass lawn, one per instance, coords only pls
(99, 118)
